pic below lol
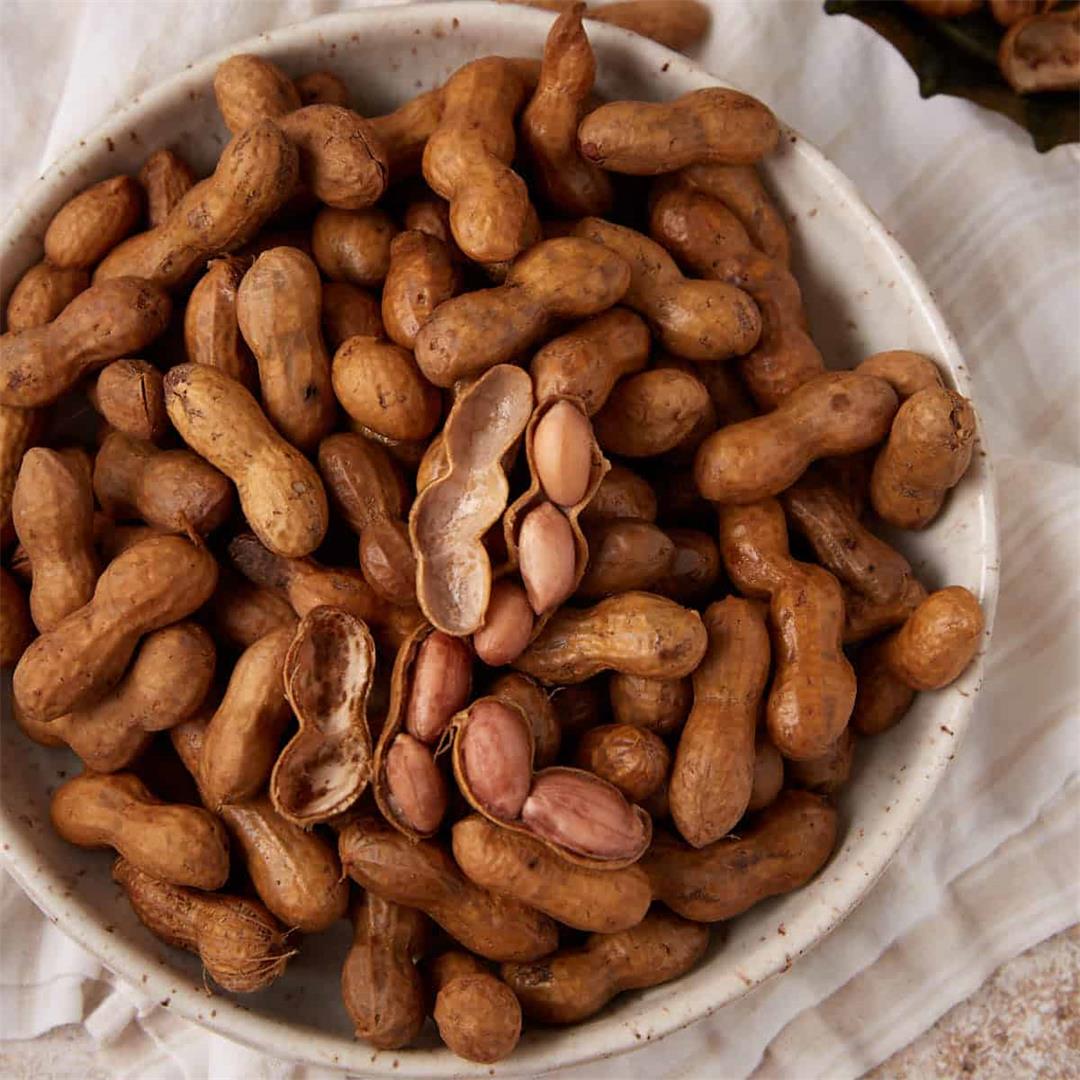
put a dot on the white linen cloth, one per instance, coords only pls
(992, 868)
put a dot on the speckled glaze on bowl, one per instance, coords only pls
(862, 294)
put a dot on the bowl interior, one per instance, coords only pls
(862, 295)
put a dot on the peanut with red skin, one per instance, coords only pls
(508, 625)
(415, 784)
(441, 683)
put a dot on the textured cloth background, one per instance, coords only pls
(995, 228)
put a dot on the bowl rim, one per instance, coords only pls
(267, 1035)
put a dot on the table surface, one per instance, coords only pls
(1024, 1021)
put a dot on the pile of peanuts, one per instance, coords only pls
(432, 562)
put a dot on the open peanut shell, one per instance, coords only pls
(328, 671)
(534, 495)
(639, 822)
(451, 514)
(400, 688)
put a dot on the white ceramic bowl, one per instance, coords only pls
(862, 294)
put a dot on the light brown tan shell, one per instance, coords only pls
(326, 766)
(451, 515)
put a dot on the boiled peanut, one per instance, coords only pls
(622, 494)
(380, 386)
(840, 412)
(415, 784)
(657, 705)
(813, 688)
(421, 875)
(476, 1013)
(249, 89)
(130, 395)
(255, 174)
(280, 492)
(381, 988)
(740, 189)
(307, 584)
(278, 308)
(366, 489)
(342, 162)
(564, 278)
(243, 737)
(420, 277)
(625, 555)
(769, 769)
(587, 361)
(41, 294)
(713, 125)
(882, 699)
(938, 641)
(211, 330)
(827, 774)
(328, 671)
(166, 178)
(441, 683)
(709, 240)
(296, 873)
(842, 544)
(52, 510)
(784, 847)
(450, 516)
(631, 758)
(182, 845)
(152, 584)
(698, 320)
(522, 868)
(172, 490)
(348, 311)
(713, 776)
(927, 453)
(466, 160)
(508, 625)
(574, 984)
(635, 633)
(168, 680)
(239, 942)
(16, 626)
(353, 245)
(571, 184)
(546, 557)
(108, 320)
(905, 371)
(87, 227)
